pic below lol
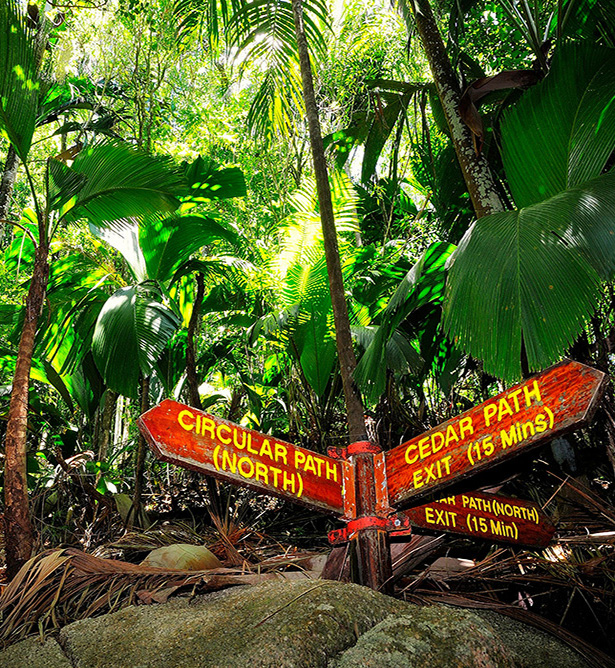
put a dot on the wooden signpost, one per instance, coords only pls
(367, 487)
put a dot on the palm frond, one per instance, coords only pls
(561, 133)
(168, 242)
(120, 182)
(131, 332)
(531, 276)
(19, 81)
(62, 586)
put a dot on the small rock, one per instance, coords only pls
(182, 557)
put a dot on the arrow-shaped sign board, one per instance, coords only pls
(543, 407)
(193, 439)
(487, 516)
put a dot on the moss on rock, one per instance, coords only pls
(425, 637)
(273, 625)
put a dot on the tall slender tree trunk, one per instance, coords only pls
(18, 532)
(136, 516)
(193, 381)
(191, 374)
(474, 166)
(105, 424)
(369, 545)
(9, 175)
(343, 339)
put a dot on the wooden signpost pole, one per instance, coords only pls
(364, 486)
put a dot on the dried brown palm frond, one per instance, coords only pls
(61, 586)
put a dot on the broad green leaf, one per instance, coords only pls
(207, 181)
(64, 183)
(126, 241)
(532, 275)
(122, 183)
(19, 83)
(169, 242)
(75, 295)
(385, 120)
(314, 345)
(561, 133)
(423, 284)
(131, 332)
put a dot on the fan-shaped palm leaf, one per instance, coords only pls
(207, 181)
(19, 83)
(169, 242)
(561, 133)
(118, 183)
(131, 332)
(532, 275)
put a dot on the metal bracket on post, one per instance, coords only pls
(367, 510)
(396, 525)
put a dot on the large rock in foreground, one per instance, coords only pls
(313, 624)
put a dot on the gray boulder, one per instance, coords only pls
(300, 624)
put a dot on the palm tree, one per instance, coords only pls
(106, 183)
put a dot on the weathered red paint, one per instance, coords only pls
(487, 516)
(244, 457)
(541, 408)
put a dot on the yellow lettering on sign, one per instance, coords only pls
(331, 471)
(281, 453)
(489, 412)
(529, 394)
(262, 472)
(504, 409)
(208, 426)
(299, 458)
(451, 435)
(465, 424)
(188, 426)
(265, 450)
(250, 449)
(224, 439)
(236, 443)
(423, 447)
(310, 467)
(410, 459)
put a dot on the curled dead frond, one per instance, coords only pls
(61, 586)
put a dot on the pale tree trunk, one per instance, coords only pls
(136, 516)
(18, 532)
(105, 424)
(9, 175)
(474, 166)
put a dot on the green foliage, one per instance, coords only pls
(19, 80)
(562, 132)
(532, 276)
(169, 242)
(524, 281)
(386, 347)
(134, 324)
(111, 182)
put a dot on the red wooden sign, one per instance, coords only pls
(487, 516)
(546, 406)
(190, 438)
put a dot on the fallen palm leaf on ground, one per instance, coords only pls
(62, 586)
